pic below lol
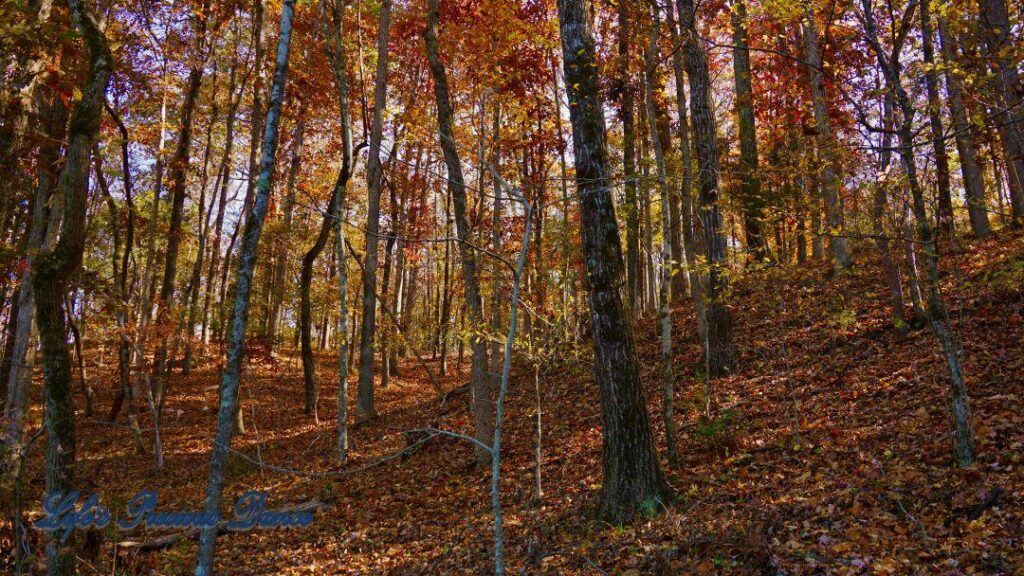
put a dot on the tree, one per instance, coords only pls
(996, 31)
(633, 479)
(364, 403)
(52, 269)
(839, 253)
(239, 320)
(750, 182)
(718, 349)
(339, 62)
(483, 418)
(938, 317)
(664, 309)
(974, 183)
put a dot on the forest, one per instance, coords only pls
(580, 287)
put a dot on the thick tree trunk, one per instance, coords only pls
(974, 182)
(633, 480)
(483, 416)
(51, 272)
(365, 399)
(246, 264)
(23, 353)
(718, 348)
(839, 253)
(998, 34)
(750, 181)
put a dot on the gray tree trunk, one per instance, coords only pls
(974, 182)
(633, 479)
(483, 416)
(364, 402)
(226, 413)
(718, 348)
(839, 254)
(664, 310)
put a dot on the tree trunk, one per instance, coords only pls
(826, 140)
(718, 349)
(665, 309)
(974, 182)
(483, 417)
(750, 181)
(365, 399)
(633, 480)
(246, 263)
(686, 190)
(962, 432)
(281, 252)
(51, 271)
(944, 213)
(634, 278)
(998, 35)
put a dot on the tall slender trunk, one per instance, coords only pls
(944, 214)
(179, 171)
(665, 309)
(246, 263)
(633, 477)
(365, 399)
(634, 280)
(281, 249)
(962, 433)
(879, 209)
(686, 189)
(483, 416)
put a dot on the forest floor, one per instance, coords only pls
(867, 487)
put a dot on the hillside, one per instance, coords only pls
(866, 488)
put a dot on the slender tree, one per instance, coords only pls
(243, 288)
(364, 403)
(483, 417)
(718, 348)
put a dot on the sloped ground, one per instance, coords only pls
(866, 487)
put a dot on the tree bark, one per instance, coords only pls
(944, 214)
(246, 264)
(839, 254)
(665, 310)
(365, 399)
(750, 181)
(718, 348)
(633, 480)
(974, 182)
(483, 417)
(52, 270)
